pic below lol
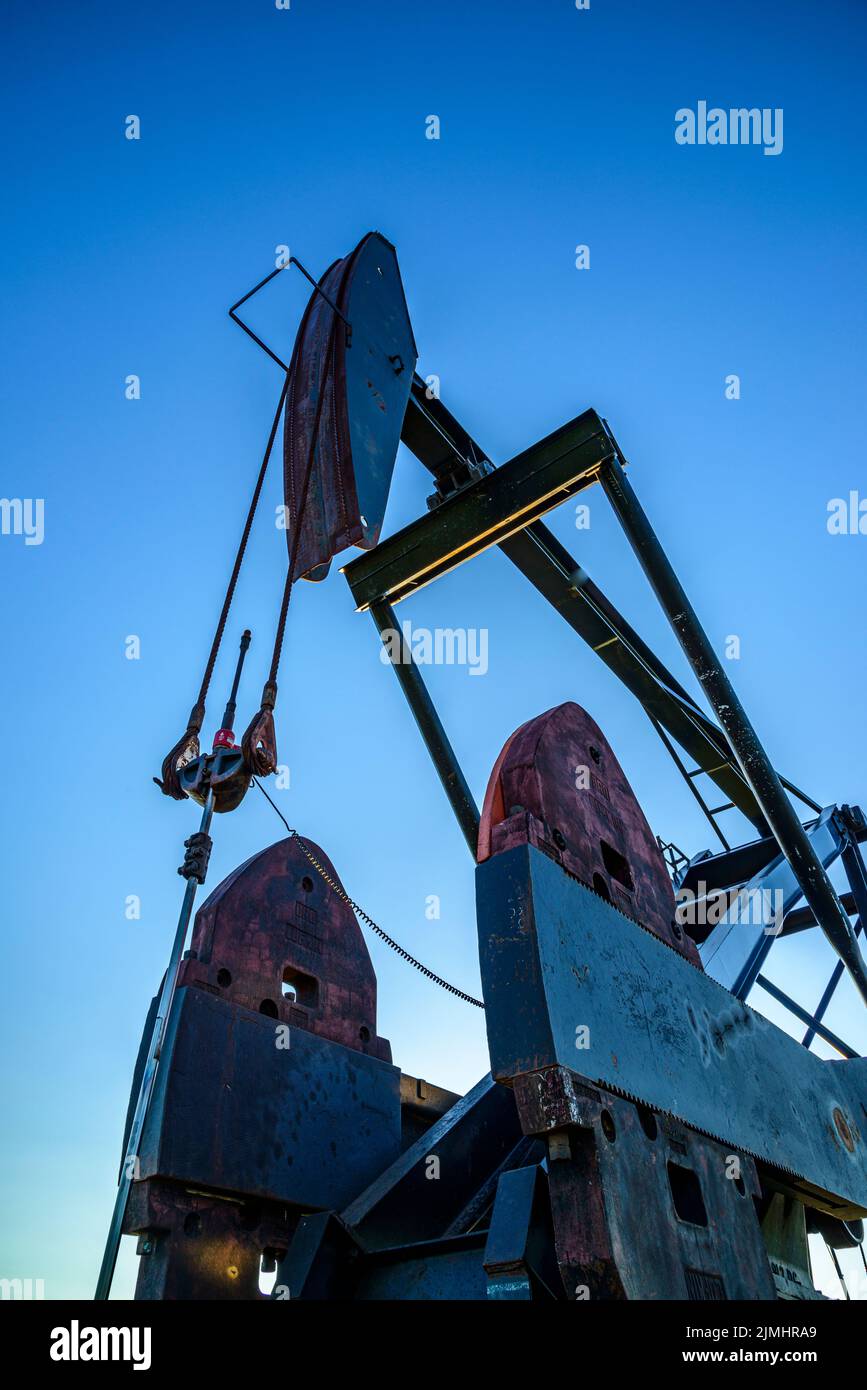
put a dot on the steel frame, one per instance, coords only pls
(488, 511)
(503, 507)
(476, 506)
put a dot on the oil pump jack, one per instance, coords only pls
(643, 1132)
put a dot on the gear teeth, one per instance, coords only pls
(634, 920)
(638, 1100)
(660, 942)
(697, 1129)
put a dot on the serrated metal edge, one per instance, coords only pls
(697, 1129)
(639, 1100)
(668, 947)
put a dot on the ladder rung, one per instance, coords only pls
(697, 772)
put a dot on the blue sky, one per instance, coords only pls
(261, 127)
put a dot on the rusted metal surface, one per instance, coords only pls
(421, 1105)
(569, 981)
(223, 771)
(274, 925)
(347, 398)
(248, 1106)
(249, 1110)
(557, 785)
(642, 1207)
(265, 1104)
(669, 1112)
(196, 1246)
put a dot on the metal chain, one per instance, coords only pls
(360, 912)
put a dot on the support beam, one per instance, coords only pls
(738, 946)
(804, 918)
(744, 862)
(129, 1168)
(794, 1008)
(485, 512)
(454, 458)
(857, 876)
(569, 589)
(434, 735)
(754, 761)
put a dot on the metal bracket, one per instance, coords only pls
(293, 260)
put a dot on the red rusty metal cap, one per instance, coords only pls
(274, 938)
(347, 396)
(557, 785)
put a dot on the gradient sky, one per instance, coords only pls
(261, 127)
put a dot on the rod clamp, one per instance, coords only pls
(198, 854)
